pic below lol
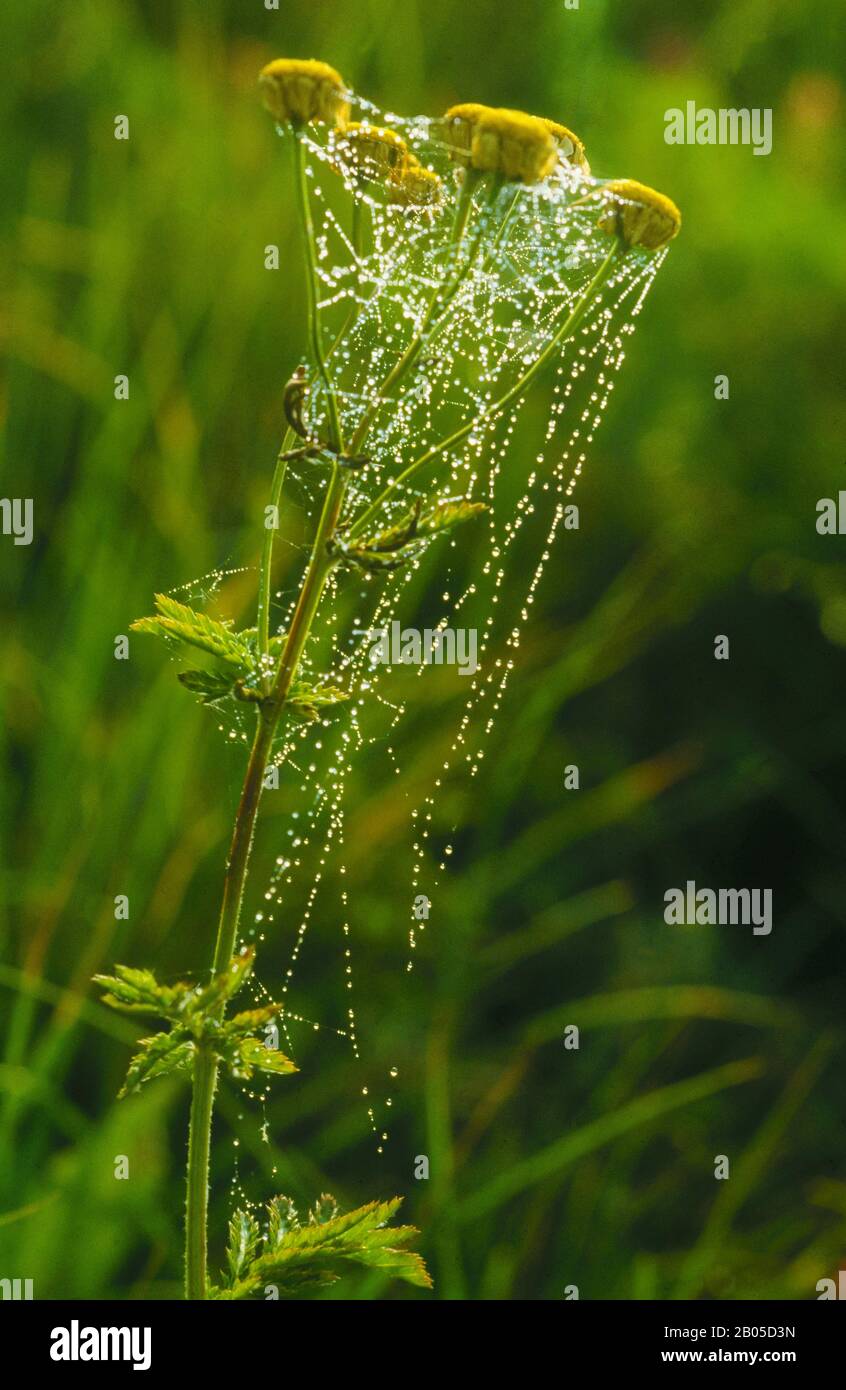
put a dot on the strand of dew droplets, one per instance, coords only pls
(612, 362)
(332, 845)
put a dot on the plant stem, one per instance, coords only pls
(314, 326)
(322, 360)
(205, 1067)
(263, 618)
(237, 864)
(197, 1201)
(570, 324)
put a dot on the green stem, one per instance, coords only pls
(359, 223)
(199, 1143)
(322, 360)
(469, 184)
(496, 407)
(504, 225)
(205, 1067)
(237, 864)
(314, 324)
(263, 617)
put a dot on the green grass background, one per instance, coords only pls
(548, 1168)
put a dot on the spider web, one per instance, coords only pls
(528, 257)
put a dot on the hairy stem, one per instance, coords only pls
(205, 1067)
(237, 864)
(197, 1201)
(263, 617)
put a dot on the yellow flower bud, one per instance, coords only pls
(638, 214)
(493, 140)
(298, 90)
(514, 145)
(459, 124)
(569, 146)
(373, 150)
(416, 187)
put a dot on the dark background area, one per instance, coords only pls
(548, 1167)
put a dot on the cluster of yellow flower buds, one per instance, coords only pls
(487, 139)
(377, 153)
(298, 91)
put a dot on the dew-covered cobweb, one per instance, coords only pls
(531, 252)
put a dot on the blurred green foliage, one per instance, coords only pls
(548, 1167)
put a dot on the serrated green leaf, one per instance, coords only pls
(322, 1251)
(325, 1209)
(446, 515)
(282, 1217)
(135, 991)
(211, 685)
(243, 1056)
(245, 1024)
(309, 700)
(303, 694)
(177, 620)
(399, 543)
(244, 1237)
(159, 1056)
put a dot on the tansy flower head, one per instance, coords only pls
(299, 90)
(461, 122)
(569, 146)
(638, 214)
(374, 150)
(514, 145)
(416, 187)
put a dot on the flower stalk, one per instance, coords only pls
(311, 591)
